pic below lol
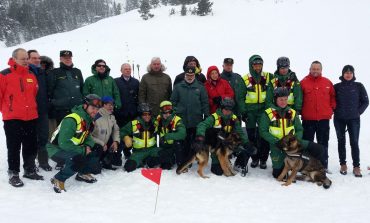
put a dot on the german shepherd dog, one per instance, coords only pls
(223, 145)
(311, 169)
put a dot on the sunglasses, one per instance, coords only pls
(101, 65)
(166, 112)
(146, 114)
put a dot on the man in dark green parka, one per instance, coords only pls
(64, 87)
(190, 100)
(237, 84)
(101, 84)
(72, 144)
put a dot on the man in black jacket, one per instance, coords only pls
(128, 87)
(42, 128)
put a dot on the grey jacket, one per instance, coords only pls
(105, 127)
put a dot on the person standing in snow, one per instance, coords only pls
(18, 105)
(73, 145)
(155, 86)
(101, 84)
(128, 87)
(318, 105)
(352, 101)
(191, 61)
(217, 89)
(190, 102)
(284, 77)
(237, 84)
(42, 128)
(256, 83)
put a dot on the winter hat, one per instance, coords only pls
(228, 61)
(283, 62)
(99, 61)
(64, 53)
(210, 69)
(348, 68)
(107, 99)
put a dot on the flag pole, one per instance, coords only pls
(156, 199)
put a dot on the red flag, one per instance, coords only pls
(153, 174)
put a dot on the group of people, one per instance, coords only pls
(85, 126)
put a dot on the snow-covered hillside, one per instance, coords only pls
(335, 32)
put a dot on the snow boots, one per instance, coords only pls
(88, 178)
(14, 179)
(58, 186)
(32, 174)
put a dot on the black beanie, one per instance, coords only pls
(348, 68)
(99, 61)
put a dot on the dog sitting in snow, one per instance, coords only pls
(312, 170)
(223, 145)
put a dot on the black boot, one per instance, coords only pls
(254, 163)
(263, 165)
(14, 179)
(31, 173)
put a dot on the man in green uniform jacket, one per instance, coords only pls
(256, 83)
(72, 144)
(237, 84)
(276, 122)
(171, 136)
(284, 77)
(141, 135)
(223, 120)
(101, 84)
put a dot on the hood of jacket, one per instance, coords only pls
(14, 67)
(210, 69)
(251, 59)
(95, 73)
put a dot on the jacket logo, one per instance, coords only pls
(29, 80)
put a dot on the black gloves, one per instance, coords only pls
(250, 149)
(245, 118)
(217, 100)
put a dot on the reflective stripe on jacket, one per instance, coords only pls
(256, 92)
(143, 138)
(280, 126)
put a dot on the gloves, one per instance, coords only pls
(217, 100)
(128, 141)
(199, 139)
(198, 143)
(250, 149)
(245, 118)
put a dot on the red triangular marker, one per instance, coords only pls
(153, 174)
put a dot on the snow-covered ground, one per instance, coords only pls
(336, 32)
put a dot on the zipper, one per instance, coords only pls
(145, 138)
(11, 103)
(22, 85)
(283, 121)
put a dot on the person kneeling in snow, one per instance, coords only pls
(106, 134)
(72, 144)
(141, 135)
(172, 133)
(224, 120)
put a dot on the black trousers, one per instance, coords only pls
(190, 138)
(353, 127)
(263, 147)
(21, 134)
(42, 131)
(321, 128)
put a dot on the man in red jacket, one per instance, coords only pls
(318, 105)
(18, 90)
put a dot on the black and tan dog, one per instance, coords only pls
(311, 168)
(223, 145)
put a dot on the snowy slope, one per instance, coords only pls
(336, 32)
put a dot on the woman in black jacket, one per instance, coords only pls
(352, 101)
